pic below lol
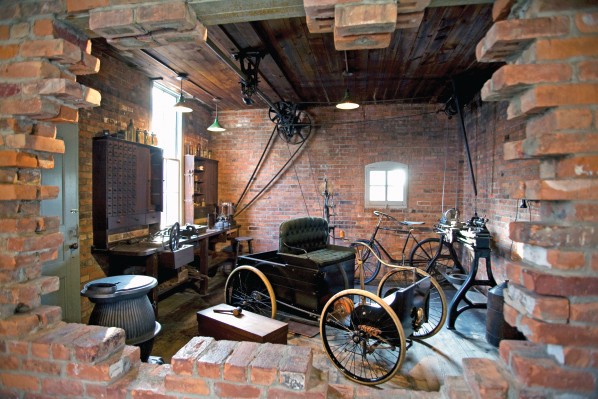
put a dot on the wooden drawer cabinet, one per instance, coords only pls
(127, 187)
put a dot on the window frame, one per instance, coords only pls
(167, 218)
(386, 166)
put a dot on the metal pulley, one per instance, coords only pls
(292, 123)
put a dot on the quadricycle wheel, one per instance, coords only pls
(250, 289)
(362, 336)
(435, 309)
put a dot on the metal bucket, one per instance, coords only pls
(122, 301)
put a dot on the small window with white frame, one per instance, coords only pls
(386, 185)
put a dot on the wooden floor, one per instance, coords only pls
(426, 365)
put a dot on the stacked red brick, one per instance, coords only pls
(550, 80)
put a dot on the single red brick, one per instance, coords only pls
(112, 23)
(539, 98)
(228, 390)
(360, 42)
(17, 192)
(506, 38)
(542, 371)
(501, 9)
(33, 243)
(585, 312)
(211, 361)
(62, 387)
(514, 78)
(38, 143)
(54, 49)
(580, 357)
(4, 32)
(99, 343)
(485, 377)
(559, 120)
(360, 19)
(19, 30)
(40, 366)
(295, 368)
(172, 15)
(85, 5)
(563, 49)
(186, 384)
(565, 260)
(29, 69)
(183, 362)
(88, 65)
(587, 22)
(264, 368)
(546, 308)
(34, 107)
(22, 382)
(8, 51)
(558, 334)
(237, 364)
(547, 235)
(587, 70)
(117, 365)
(9, 362)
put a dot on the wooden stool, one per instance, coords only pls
(237, 242)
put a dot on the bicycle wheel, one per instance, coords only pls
(362, 336)
(250, 289)
(435, 307)
(422, 254)
(370, 263)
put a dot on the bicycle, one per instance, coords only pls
(427, 254)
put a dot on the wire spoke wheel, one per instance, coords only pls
(422, 254)
(362, 336)
(250, 289)
(435, 309)
(370, 265)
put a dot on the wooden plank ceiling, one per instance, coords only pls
(303, 67)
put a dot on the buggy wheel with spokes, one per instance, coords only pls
(370, 265)
(250, 289)
(422, 254)
(362, 336)
(435, 305)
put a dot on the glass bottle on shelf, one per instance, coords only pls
(146, 137)
(130, 135)
(154, 139)
(139, 136)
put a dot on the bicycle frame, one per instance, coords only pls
(374, 240)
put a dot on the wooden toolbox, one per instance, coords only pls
(248, 327)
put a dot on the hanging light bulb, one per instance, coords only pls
(346, 102)
(181, 105)
(215, 127)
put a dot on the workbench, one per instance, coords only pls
(145, 254)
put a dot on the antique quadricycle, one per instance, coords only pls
(364, 333)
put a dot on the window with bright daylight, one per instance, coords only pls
(167, 124)
(386, 185)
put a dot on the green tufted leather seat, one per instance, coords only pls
(304, 242)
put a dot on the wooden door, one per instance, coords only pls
(66, 206)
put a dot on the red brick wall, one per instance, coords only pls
(340, 145)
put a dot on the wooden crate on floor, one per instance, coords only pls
(248, 327)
